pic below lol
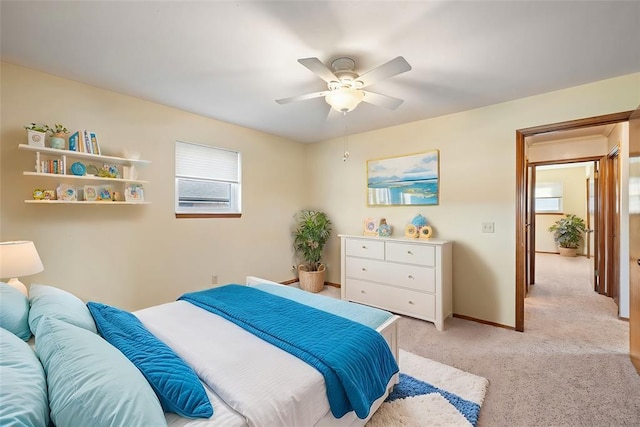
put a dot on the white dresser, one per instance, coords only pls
(405, 276)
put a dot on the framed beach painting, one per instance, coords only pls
(404, 181)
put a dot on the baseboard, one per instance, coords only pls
(484, 322)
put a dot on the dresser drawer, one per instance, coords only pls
(411, 303)
(365, 248)
(411, 253)
(408, 276)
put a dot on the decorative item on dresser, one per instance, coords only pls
(405, 276)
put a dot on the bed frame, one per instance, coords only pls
(389, 329)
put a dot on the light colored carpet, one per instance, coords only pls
(433, 394)
(569, 368)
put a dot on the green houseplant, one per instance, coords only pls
(568, 233)
(58, 133)
(312, 233)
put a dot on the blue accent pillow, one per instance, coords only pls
(14, 311)
(23, 393)
(90, 382)
(176, 384)
(58, 304)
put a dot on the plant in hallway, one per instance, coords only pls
(312, 233)
(568, 233)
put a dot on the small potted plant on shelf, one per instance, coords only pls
(58, 135)
(36, 134)
(568, 233)
(309, 238)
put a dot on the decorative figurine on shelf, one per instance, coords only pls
(384, 229)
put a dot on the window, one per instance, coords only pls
(207, 180)
(548, 197)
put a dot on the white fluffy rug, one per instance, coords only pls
(431, 394)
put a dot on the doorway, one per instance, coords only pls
(523, 234)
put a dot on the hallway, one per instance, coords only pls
(562, 302)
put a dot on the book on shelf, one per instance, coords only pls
(95, 147)
(74, 140)
(87, 142)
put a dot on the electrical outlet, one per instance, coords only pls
(214, 279)
(487, 227)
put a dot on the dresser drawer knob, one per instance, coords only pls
(410, 277)
(364, 247)
(364, 269)
(362, 292)
(411, 302)
(410, 253)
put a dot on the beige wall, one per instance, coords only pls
(136, 256)
(574, 201)
(477, 170)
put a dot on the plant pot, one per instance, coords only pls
(569, 252)
(35, 138)
(57, 141)
(312, 281)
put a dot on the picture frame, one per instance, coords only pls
(133, 193)
(91, 192)
(370, 227)
(411, 180)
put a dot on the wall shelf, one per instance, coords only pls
(86, 156)
(77, 182)
(83, 202)
(83, 177)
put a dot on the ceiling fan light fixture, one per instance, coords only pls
(344, 99)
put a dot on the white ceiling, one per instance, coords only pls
(230, 60)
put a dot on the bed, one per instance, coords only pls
(248, 381)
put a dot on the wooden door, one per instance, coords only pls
(531, 227)
(634, 239)
(600, 249)
(613, 226)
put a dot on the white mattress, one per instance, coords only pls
(261, 384)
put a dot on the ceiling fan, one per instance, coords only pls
(344, 86)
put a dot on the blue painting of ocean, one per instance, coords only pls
(419, 192)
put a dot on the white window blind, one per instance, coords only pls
(548, 197)
(207, 179)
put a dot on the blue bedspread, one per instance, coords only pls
(354, 359)
(369, 316)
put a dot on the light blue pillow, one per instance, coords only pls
(175, 383)
(58, 304)
(23, 392)
(14, 311)
(90, 382)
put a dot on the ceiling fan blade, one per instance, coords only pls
(380, 100)
(389, 69)
(302, 97)
(319, 69)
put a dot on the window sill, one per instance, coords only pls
(208, 215)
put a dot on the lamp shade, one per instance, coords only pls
(344, 99)
(19, 259)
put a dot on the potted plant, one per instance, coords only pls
(312, 232)
(36, 134)
(567, 233)
(58, 135)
